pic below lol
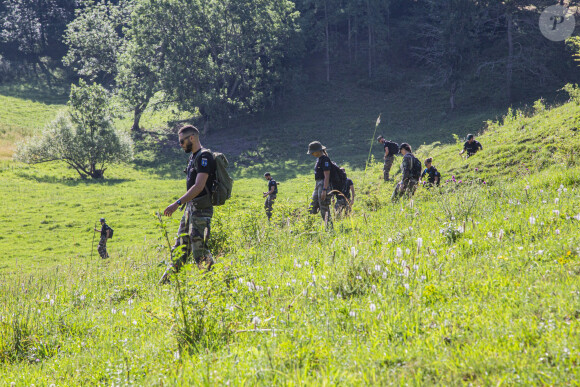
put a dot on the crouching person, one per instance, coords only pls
(321, 195)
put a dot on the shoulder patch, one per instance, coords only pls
(326, 163)
(204, 162)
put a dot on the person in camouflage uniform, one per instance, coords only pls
(270, 195)
(389, 156)
(321, 195)
(195, 226)
(105, 234)
(409, 182)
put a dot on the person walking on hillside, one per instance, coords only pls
(105, 234)
(391, 149)
(471, 146)
(270, 195)
(434, 177)
(345, 199)
(411, 169)
(194, 228)
(321, 195)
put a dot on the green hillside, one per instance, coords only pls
(473, 284)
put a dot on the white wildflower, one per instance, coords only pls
(406, 271)
(557, 232)
(433, 252)
(403, 263)
(423, 278)
(358, 277)
(374, 288)
(416, 267)
(577, 217)
(134, 322)
(470, 242)
(399, 252)
(373, 307)
(461, 229)
(390, 240)
(556, 201)
(82, 297)
(306, 263)
(256, 320)
(378, 267)
(419, 242)
(407, 251)
(527, 187)
(406, 286)
(556, 212)
(352, 313)
(489, 234)
(540, 252)
(532, 220)
(353, 251)
(323, 276)
(51, 301)
(176, 355)
(410, 228)
(385, 275)
(113, 311)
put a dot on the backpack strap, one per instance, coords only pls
(201, 151)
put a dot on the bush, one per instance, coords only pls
(84, 137)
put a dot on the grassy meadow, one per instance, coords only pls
(473, 283)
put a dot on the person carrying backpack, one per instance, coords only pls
(106, 233)
(194, 228)
(322, 174)
(411, 169)
(434, 177)
(270, 195)
(391, 149)
(471, 145)
(345, 199)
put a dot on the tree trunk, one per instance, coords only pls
(138, 112)
(510, 64)
(355, 39)
(327, 44)
(452, 91)
(349, 42)
(370, 39)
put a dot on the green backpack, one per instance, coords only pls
(223, 183)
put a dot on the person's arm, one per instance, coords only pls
(480, 146)
(406, 168)
(192, 193)
(326, 184)
(386, 152)
(108, 232)
(463, 150)
(271, 191)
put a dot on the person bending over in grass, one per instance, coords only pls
(471, 146)
(434, 175)
(105, 234)
(391, 149)
(194, 228)
(321, 195)
(345, 199)
(270, 195)
(411, 168)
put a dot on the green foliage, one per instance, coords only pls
(85, 138)
(573, 91)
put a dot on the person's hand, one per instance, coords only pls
(265, 194)
(323, 196)
(171, 209)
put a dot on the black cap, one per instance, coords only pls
(469, 137)
(102, 220)
(266, 174)
(380, 137)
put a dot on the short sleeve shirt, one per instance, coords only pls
(432, 172)
(272, 183)
(473, 147)
(322, 165)
(104, 230)
(347, 186)
(201, 162)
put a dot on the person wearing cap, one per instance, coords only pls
(321, 195)
(270, 195)
(345, 199)
(409, 182)
(105, 234)
(471, 146)
(389, 157)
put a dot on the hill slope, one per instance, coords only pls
(476, 283)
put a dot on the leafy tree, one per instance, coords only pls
(84, 138)
(222, 57)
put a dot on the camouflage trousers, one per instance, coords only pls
(406, 188)
(193, 235)
(268, 204)
(102, 248)
(387, 167)
(318, 204)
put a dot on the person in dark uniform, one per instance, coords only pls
(270, 195)
(471, 146)
(345, 199)
(434, 177)
(105, 234)
(321, 195)
(410, 178)
(194, 228)
(390, 152)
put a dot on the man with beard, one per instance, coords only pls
(194, 229)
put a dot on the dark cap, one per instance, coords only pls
(102, 220)
(380, 137)
(469, 136)
(315, 146)
(266, 174)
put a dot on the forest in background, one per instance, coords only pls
(225, 59)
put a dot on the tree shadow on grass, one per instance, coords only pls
(69, 181)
